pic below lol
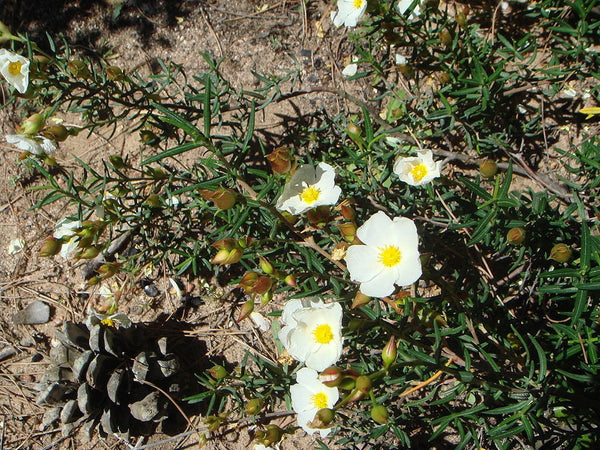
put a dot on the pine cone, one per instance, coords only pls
(104, 376)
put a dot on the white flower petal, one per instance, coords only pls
(361, 261)
(15, 246)
(380, 286)
(349, 13)
(405, 167)
(259, 320)
(350, 70)
(19, 80)
(376, 230)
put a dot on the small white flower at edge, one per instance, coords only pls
(308, 188)
(66, 230)
(350, 70)
(36, 145)
(417, 170)
(389, 256)
(15, 246)
(403, 5)
(312, 332)
(309, 395)
(15, 69)
(349, 12)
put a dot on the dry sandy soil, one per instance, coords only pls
(250, 35)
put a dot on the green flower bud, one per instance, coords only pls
(389, 352)
(515, 236)
(153, 201)
(254, 406)
(117, 161)
(246, 310)
(360, 299)
(114, 73)
(218, 372)
(379, 414)
(445, 37)
(363, 383)
(79, 69)
(331, 377)
(33, 124)
(323, 418)
(561, 253)
(488, 168)
(50, 248)
(57, 133)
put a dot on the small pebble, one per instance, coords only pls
(151, 290)
(35, 313)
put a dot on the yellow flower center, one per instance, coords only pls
(108, 322)
(15, 68)
(323, 334)
(319, 400)
(389, 256)
(358, 3)
(310, 195)
(419, 171)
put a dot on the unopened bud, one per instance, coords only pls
(360, 299)
(561, 253)
(347, 212)
(213, 422)
(389, 352)
(148, 137)
(281, 160)
(41, 61)
(157, 173)
(50, 161)
(353, 129)
(488, 168)
(290, 280)
(265, 265)
(262, 286)
(218, 372)
(50, 248)
(57, 133)
(266, 297)
(322, 419)
(319, 216)
(90, 252)
(272, 435)
(379, 414)
(406, 70)
(254, 406)
(348, 231)
(79, 69)
(114, 73)
(153, 201)
(331, 377)
(515, 236)
(109, 269)
(33, 124)
(248, 281)
(224, 257)
(461, 19)
(117, 161)
(246, 310)
(223, 198)
(363, 383)
(445, 37)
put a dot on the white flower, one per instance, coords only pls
(15, 69)
(309, 395)
(260, 321)
(312, 332)
(15, 246)
(309, 187)
(350, 70)
(417, 170)
(403, 5)
(66, 230)
(36, 145)
(349, 12)
(390, 255)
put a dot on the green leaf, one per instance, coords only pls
(173, 151)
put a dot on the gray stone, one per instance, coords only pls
(34, 313)
(147, 408)
(50, 416)
(70, 412)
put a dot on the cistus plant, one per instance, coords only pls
(422, 299)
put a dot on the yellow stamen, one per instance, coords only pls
(15, 68)
(389, 256)
(358, 3)
(319, 400)
(323, 334)
(419, 171)
(108, 322)
(310, 195)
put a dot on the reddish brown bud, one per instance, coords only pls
(360, 299)
(348, 212)
(515, 236)
(246, 310)
(254, 406)
(331, 377)
(290, 280)
(281, 160)
(114, 73)
(57, 133)
(488, 168)
(561, 253)
(348, 231)
(262, 286)
(218, 372)
(223, 198)
(389, 352)
(319, 216)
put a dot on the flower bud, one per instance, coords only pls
(90, 252)
(348, 231)
(353, 129)
(389, 352)
(322, 419)
(50, 248)
(561, 253)
(79, 69)
(262, 286)
(50, 161)
(379, 414)
(41, 61)
(157, 173)
(118, 162)
(281, 160)
(272, 435)
(218, 372)
(153, 201)
(488, 168)
(319, 216)
(405, 69)
(246, 310)
(148, 137)
(266, 297)
(33, 124)
(214, 422)
(515, 236)
(5, 33)
(461, 19)
(331, 377)
(265, 265)
(114, 73)
(363, 383)
(229, 252)
(347, 212)
(290, 280)
(254, 406)
(108, 269)
(360, 299)
(445, 37)
(57, 133)
(223, 198)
